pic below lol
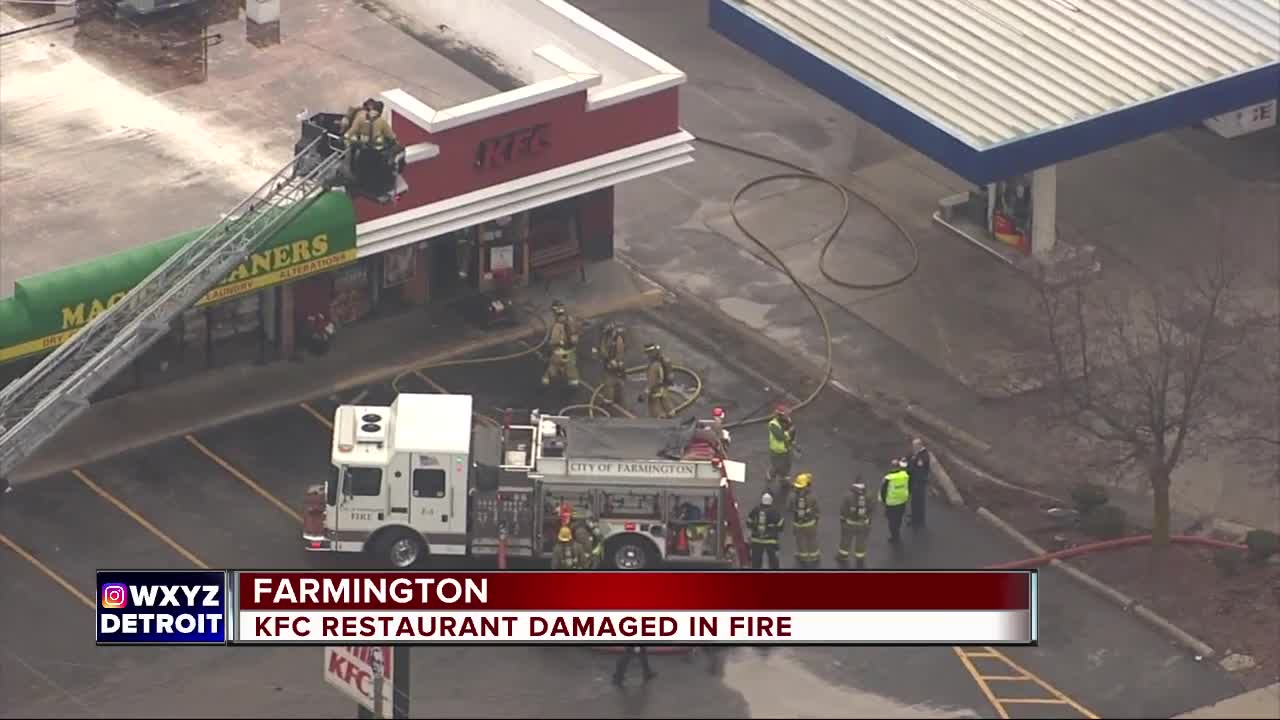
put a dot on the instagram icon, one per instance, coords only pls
(115, 596)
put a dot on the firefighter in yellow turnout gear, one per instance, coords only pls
(590, 541)
(657, 382)
(613, 355)
(368, 126)
(855, 525)
(804, 518)
(567, 555)
(563, 344)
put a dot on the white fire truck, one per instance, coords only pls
(421, 478)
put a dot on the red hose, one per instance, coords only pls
(1112, 545)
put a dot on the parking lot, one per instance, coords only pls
(230, 497)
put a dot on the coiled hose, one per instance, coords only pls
(797, 172)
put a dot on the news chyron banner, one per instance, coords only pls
(161, 607)
(570, 608)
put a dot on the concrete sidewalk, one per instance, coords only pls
(1260, 703)
(362, 354)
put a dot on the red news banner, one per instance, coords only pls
(726, 607)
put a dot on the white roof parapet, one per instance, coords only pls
(628, 71)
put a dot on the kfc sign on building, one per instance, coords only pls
(497, 152)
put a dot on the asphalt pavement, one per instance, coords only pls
(229, 497)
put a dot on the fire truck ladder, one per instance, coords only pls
(35, 407)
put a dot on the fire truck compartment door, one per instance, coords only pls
(435, 504)
(363, 503)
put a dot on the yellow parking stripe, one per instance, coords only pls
(48, 572)
(317, 415)
(434, 385)
(122, 507)
(243, 478)
(1022, 675)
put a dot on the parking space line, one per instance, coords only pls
(434, 385)
(243, 478)
(1023, 675)
(316, 414)
(122, 507)
(48, 572)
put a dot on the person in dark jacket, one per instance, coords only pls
(918, 465)
(624, 661)
(765, 523)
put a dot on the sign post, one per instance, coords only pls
(378, 666)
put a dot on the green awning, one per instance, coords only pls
(63, 300)
(47, 309)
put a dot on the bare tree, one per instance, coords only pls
(1139, 367)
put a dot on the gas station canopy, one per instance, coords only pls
(995, 88)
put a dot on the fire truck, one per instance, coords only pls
(426, 477)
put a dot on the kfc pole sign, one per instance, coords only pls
(500, 151)
(350, 668)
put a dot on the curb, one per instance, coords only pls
(32, 471)
(1153, 619)
(919, 414)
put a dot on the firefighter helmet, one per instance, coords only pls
(782, 410)
(566, 535)
(766, 499)
(803, 480)
(717, 413)
(557, 307)
(652, 348)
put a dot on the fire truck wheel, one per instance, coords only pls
(401, 549)
(630, 552)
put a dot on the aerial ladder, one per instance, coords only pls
(35, 407)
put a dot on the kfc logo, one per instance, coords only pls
(497, 152)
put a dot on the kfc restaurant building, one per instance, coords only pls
(511, 189)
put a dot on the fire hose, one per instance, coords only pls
(1116, 544)
(1027, 563)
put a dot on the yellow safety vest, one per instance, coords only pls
(776, 446)
(898, 491)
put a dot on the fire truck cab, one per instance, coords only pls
(422, 478)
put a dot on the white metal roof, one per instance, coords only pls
(992, 71)
(431, 423)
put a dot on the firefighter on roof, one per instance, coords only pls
(613, 355)
(563, 363)
(855, 525)
(804, 518)
(657, 382)
(369, 127)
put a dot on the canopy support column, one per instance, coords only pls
(1044, 212)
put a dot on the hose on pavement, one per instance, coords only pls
(1113, 545)
(796, 172)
